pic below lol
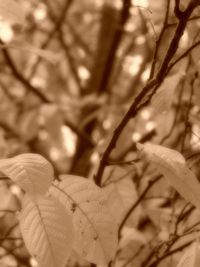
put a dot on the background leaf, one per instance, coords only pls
(32, 172)
(96, 230)
(47, 231)
(12, 12)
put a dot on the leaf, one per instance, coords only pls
(32, 172)
(47, 231)
(191, 258)
(164, 97)
(96, 231)
(172, 165)
(121, 193)
(155, 152)
(12, 12)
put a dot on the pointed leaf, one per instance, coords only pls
(32, 172)
(172, 165)
(155, 152)
(47, 231)
(96, 231)
(11, 11)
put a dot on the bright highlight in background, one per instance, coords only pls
(142, 3)
(40, 12)
(132, 64)
(83, 73)
(69, 140)
(6, 32)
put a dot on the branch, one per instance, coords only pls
(44, 99)
(80, 133)
(183, 55)
(57, 26)
(63, 42)
(177, 10)
(22, 79)
(103, 85)
(188, 111)
(150, 184)
(158, 41)
(171, 252)
(151, 85)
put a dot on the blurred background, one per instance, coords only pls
(69, 70)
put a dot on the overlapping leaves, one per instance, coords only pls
(47, 231)
(74, 215)
(96, 233)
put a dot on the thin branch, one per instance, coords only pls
(57, 26)
(22, 79)
(66, 47)
(72, 64)
(141, 100)
(158, 41)
(188, 111)
(132, 112)
(78, 39)
(171, 252)
(177, 10)
(183, 55)
(150, 184)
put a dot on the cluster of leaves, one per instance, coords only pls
(73, 214)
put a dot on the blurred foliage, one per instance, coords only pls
(67, 76)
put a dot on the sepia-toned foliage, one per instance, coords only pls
(99, 133)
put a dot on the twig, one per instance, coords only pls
(56, 28)
(188, 112)
(171, 252)
(152, 84)
(23, 80)
(183, 55)
(158, 41)
(150, 184)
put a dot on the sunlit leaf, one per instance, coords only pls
(47, 231)
(32, 172)
(155, 152)
(172, 165)
(96, 230)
